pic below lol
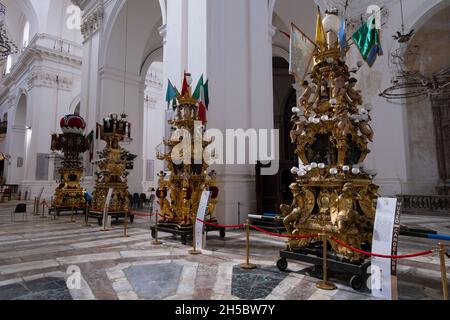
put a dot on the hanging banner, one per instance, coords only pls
(201, 212)
(105, 209)
(301, 54)
(383, 278)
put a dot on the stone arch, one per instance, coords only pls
(131, 40)
(146, 20)
(16, 172)
(155, 55)
(427, 153)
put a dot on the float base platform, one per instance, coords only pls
(355, 272)
(185, 231)
(116, 215)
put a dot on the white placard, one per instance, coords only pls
(105, 209)
(201, 212)
(383, 279)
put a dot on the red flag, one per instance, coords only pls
(185, 85)
(202, 112)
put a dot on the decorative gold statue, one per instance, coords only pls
(69, 193)
(333, 194)
(114, 164)
(188, 176)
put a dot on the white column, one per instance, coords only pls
(238, 65)
(175, 38)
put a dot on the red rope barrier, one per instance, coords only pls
(142, 214)
(402, 256)
(220, 226)
(45, 204)
(305, 236)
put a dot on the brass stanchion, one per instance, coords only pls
(86, 217)
(324, 284)
(38, 207)
(43, 209)
(125, 226)
(71, 216)
(34, 208)
(155, 241)
(443, 271)
(247, 265)
(194, 242)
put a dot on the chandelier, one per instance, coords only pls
(408, 83)
(7, 47)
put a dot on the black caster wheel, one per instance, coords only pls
(318, 271)
(222, 233)
(356, 282)
(282, 264)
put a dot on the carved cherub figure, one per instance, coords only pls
(298, 207)
(343, 214)
(368, 200)
(344, 125)
(339, 88)
(303, 101)
(297, 129)
(301, 208)
(365, 127)
(353, 94)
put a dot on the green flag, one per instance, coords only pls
(197, 92)
(367, 39)
(172, 92)
(206, 93)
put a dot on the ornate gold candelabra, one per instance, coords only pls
(114, 163)
(180, 190)
(72, 142)
(333, 193)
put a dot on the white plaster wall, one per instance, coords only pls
(154, 121)
(390, 155)
(44, 105)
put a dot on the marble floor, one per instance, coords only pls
(41, 258)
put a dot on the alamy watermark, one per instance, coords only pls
(375, 11)
(73, 281)
(73, 21)
(229, 149)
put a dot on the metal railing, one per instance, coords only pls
(425, 204)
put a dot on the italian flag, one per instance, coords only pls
(201, 95)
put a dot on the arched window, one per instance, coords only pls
(8, 64)
(26, 34)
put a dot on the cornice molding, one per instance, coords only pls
(92, 21)
(43, 77)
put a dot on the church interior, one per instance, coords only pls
(224, 149)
